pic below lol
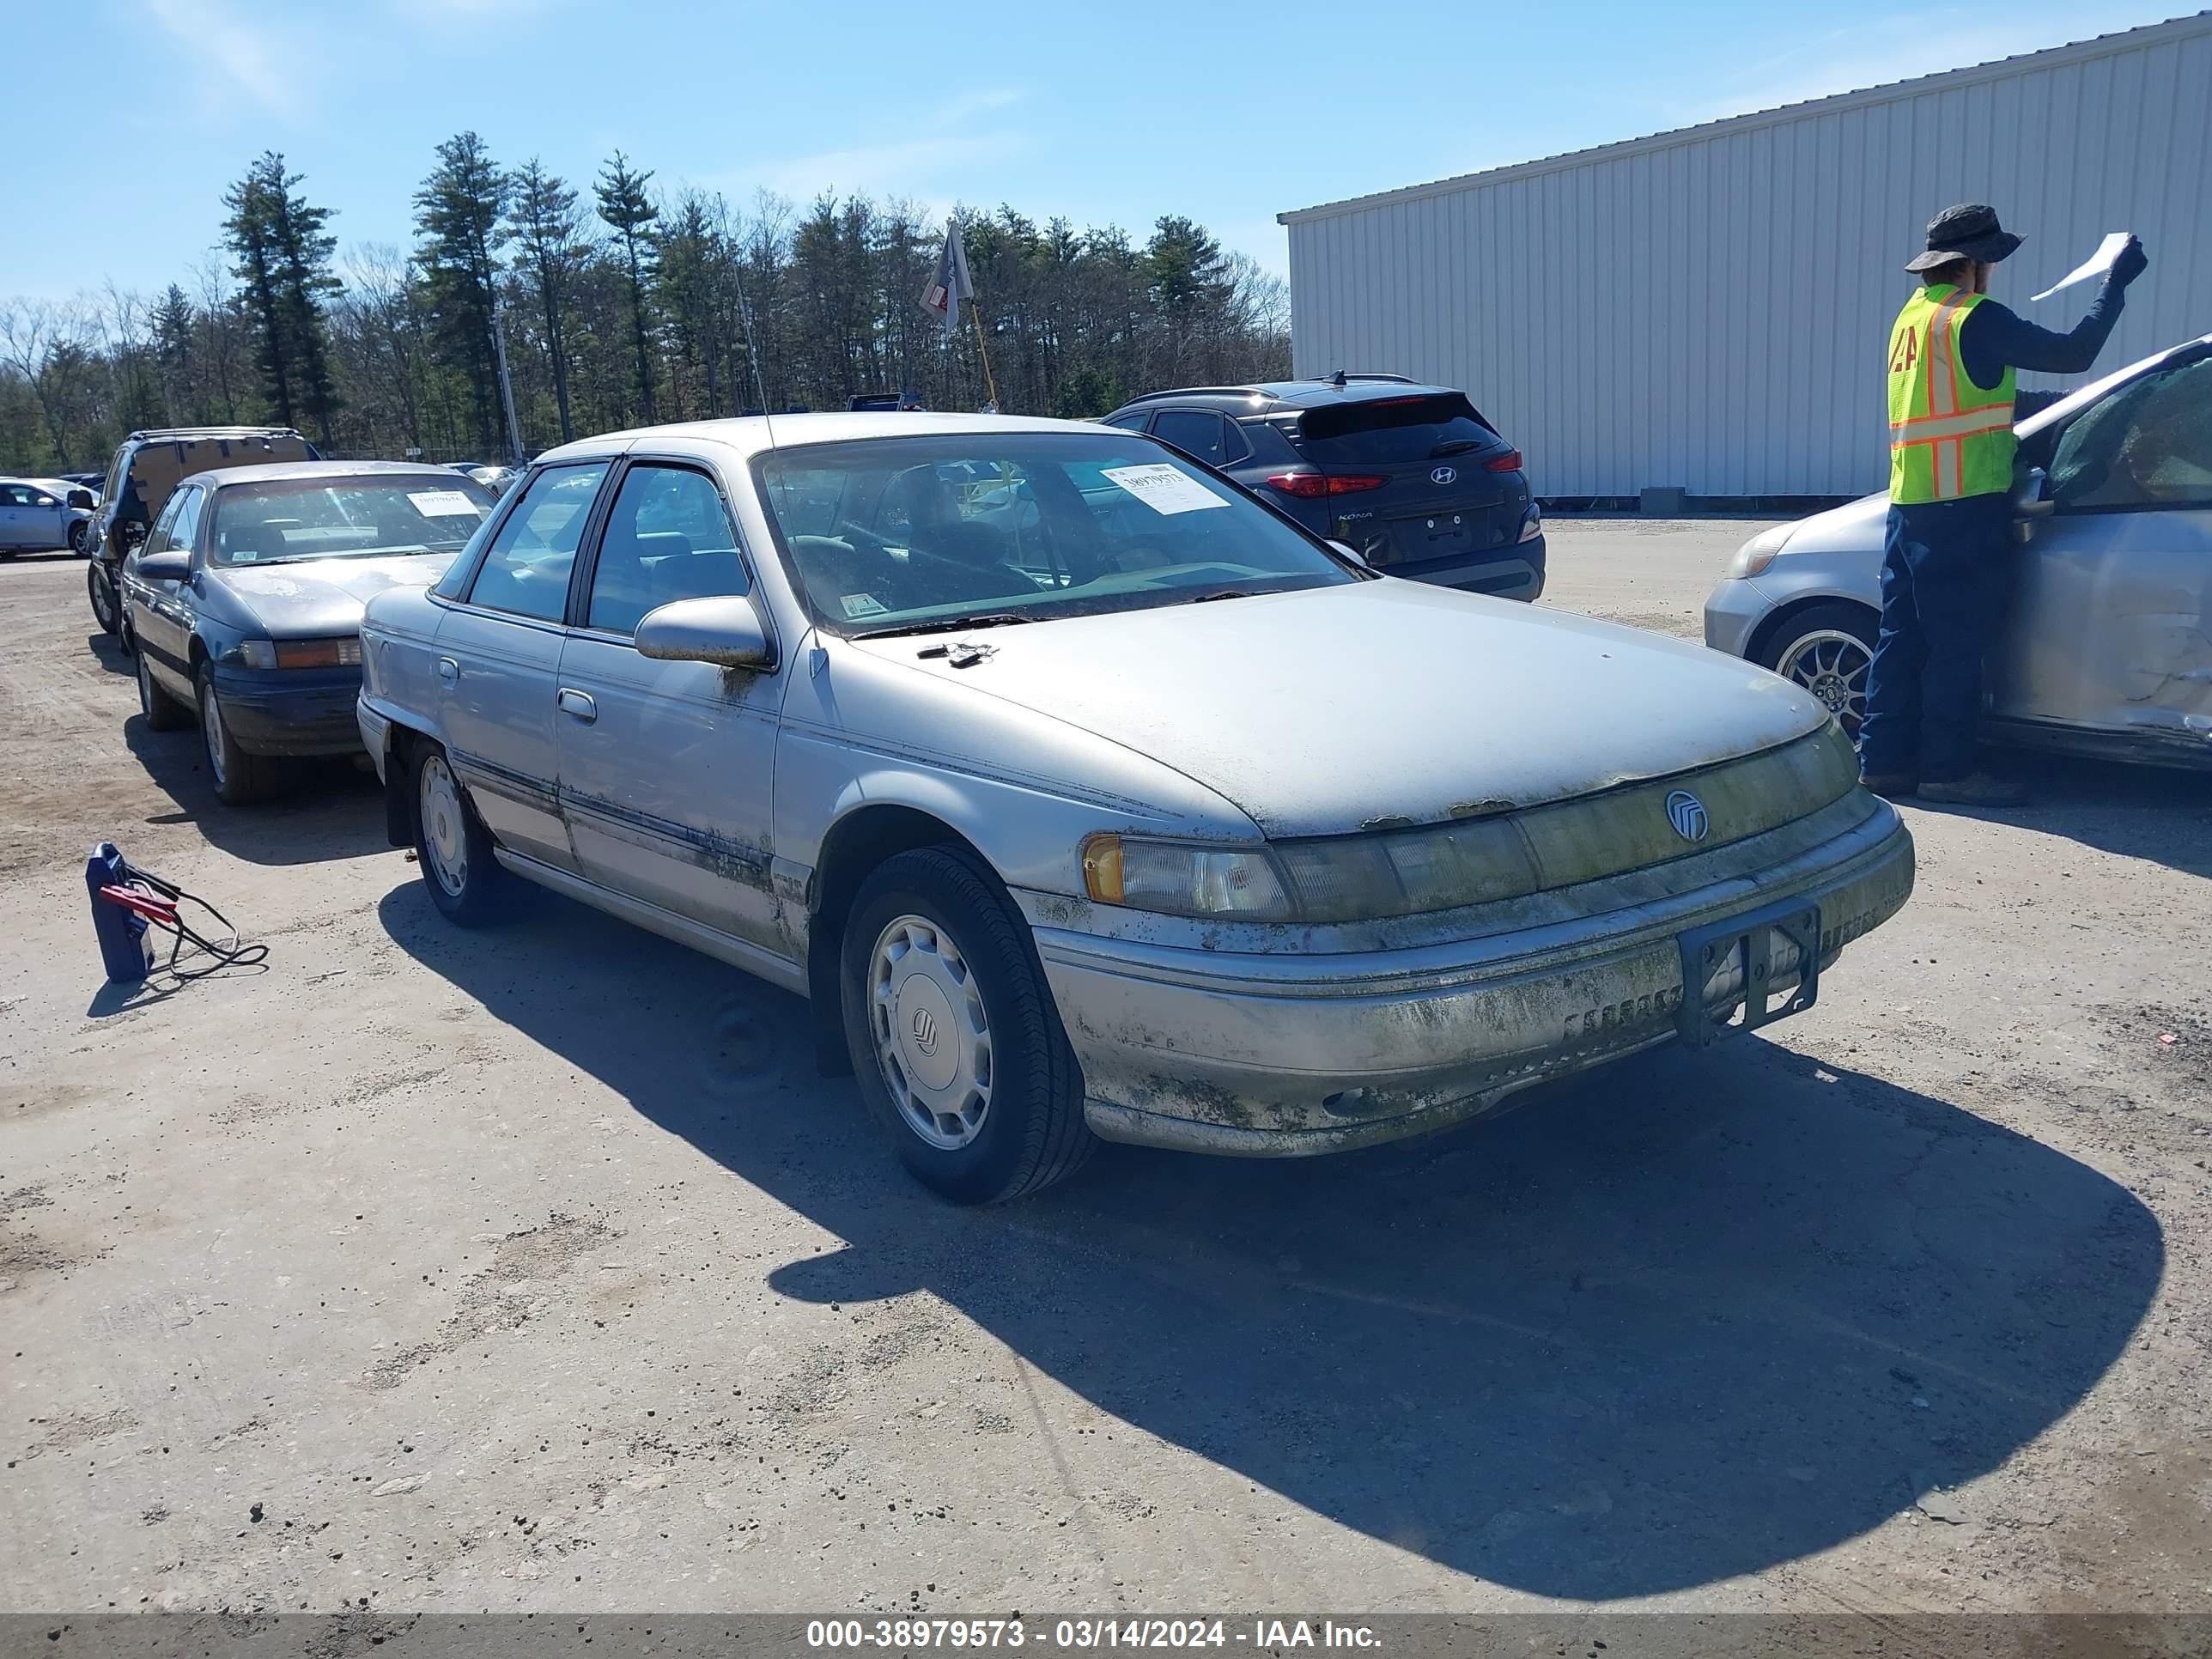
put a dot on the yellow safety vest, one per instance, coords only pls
(1948, 436)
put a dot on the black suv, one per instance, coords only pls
(1410, 476)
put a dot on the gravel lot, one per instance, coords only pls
(537, 1270)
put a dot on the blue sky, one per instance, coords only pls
(1115, 113)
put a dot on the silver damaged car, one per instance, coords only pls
(1085, 796)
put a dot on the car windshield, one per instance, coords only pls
(911, 534)
(286, 520)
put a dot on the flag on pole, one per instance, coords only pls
(948, 289)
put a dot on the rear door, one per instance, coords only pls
(665, 767)
(1417, 478)
(2110, 626)
(498, 654)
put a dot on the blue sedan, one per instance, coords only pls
(244, 604)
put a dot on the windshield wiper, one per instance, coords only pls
(946, 625)
(1456, 447)
(1225, 593)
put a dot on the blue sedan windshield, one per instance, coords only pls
(284, 520)
(902, 534)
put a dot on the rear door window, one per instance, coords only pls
(525, 571)
(1381, 431)
(1131, 423)
(1196, 432)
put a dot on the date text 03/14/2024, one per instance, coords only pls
(908, 1634)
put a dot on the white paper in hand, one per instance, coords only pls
(2095, 265)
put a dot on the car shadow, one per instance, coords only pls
(2162, 814)
(328, 808)
(1680, 1321)
(108, 651)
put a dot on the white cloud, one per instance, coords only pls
(242, 55)
(1875, 52)
(940, 154)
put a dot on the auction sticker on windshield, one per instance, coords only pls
(1165, 488)
(444, 504)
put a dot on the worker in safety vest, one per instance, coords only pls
(1953, 352)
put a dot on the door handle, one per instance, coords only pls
(579, 704)
(448, 670)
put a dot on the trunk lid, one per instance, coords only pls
(1437, 497)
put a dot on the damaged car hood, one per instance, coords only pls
(1337, 709)
(309, 597)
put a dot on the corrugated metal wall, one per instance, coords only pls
(1708, 308)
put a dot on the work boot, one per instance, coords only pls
(1890, 786)
(1975, 789)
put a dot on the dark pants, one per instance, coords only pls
(1943, 573)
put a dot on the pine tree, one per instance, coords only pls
(629, 211)
(549, 230)
(459, 211)
(282, 255)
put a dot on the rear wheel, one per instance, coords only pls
(100, 588)
(455, 850)
(1827, 649)
(954, 1041)
(163, 713)
(240, 778)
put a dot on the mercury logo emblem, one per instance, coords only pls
(925, 1030)
(1687, 814)
(1444, 475)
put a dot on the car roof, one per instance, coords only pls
(163, 434)
(1274, 395)
(286, 471)
(753, 434)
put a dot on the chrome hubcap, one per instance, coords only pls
(1833, 665)
(445, 838)
(211, 729)
(933, 1037)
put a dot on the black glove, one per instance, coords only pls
(2131, 263)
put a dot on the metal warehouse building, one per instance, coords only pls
(1706, 309)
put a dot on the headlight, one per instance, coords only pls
(1755, 555)
(1341, 878)
(1183, 879)
(343, 653)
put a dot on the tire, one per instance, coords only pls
(1827, 649)
(79, 539)
(163, 713)
(452, 845)
(934, 950)
(100, 588)
(240, 778)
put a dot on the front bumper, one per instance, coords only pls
(1278, 1055)
(291, 711)
(1734, 610)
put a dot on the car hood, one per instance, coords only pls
(322, 596)
(1855, 525)
(1342, 708)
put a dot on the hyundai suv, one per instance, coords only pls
(1411, 477)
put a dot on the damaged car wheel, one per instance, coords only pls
(955, 1039)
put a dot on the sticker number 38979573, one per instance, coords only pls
(1165, 488)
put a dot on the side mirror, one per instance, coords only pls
(80, 500)
(171, 564)
(1349, 552)
(2030, 502)
(133, 533)
(725, 631)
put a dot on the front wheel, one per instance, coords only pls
(954, 1041)
(466, 880)
(1828, 649)
(79, 539)
(100, 588)
(240, 778)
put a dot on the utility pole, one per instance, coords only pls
(506, 386)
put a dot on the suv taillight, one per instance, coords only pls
(1307, 486)
(1509, 462)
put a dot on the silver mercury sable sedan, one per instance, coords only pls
(1085, 796)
